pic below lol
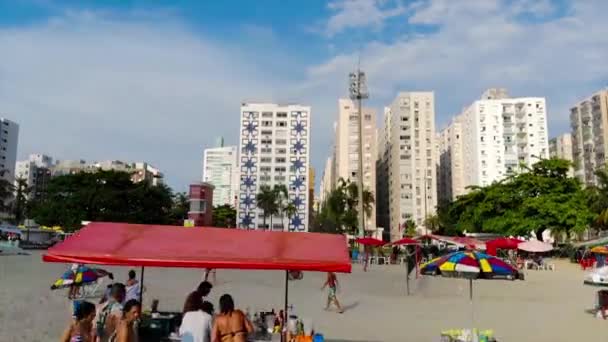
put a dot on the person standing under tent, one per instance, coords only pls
(332, 284)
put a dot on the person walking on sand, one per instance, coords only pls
(332, 284)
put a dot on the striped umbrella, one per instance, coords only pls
(470, 265)
(80, 276)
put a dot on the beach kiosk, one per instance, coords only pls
(143, 246)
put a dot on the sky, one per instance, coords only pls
(159, 81)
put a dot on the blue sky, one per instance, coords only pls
(159, 81)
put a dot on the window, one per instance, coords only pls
(281, 115)
(266, 123)
(367, 117)
(267, 114)
(266, 132)
(280, 169)
(281, 141)
(281, 150)
(198, 206)
(266, 141)
(265, 168)
(280, 159)
(265, 160)
(281, 123)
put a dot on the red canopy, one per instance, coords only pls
(368, 241)
(501, 243)
(406, 241)
(173, 246)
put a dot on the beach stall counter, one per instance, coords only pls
(122, 244)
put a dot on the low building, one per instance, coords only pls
(201, 204)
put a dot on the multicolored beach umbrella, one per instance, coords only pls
(80, 276)
(470, 265)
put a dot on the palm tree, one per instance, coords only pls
(432, 222)
(265, 200)
(281, 198)
(290, 211)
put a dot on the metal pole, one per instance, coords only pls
(407, 271)
(426, 231)
(141, 288)
(360, 166)
(283, 335)
(472, 307)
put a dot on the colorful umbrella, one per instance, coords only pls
(470, 265)
(599, 250)
(535, 246)
(368, 241)
(80, 276)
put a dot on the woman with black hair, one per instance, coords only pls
(81, 328)
(130, 313)
(230, 325)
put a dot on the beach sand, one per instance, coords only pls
(547, 306)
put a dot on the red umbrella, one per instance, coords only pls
(501, 243)
(406, 241)
(368, 241)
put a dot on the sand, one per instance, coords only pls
(547, 306)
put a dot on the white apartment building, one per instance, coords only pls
(561, 147)
(9, 137)
(450, 178)
(35, 171)
(220, 168)
(499, 133)
(408, 161)
(274, 149)
(589, 122)
(328, 180)
(347, 149)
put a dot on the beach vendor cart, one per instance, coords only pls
(122, 244)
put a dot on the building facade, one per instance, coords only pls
(450, 178)
(347, 150)
(201, 204)
(561, 147)
(140, 171)
(274, 150)
(220, 168)
(497, 134)
(589, 122)
(328, 179)
(36, 172)
(407, 159)
(9, 138)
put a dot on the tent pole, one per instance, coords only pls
(141, 288)
(407, 272)
(472, 307)
(283, 335)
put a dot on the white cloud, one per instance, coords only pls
(88, 85)
(479, 44)
(360, 14)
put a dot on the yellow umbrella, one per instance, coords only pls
(599, 250)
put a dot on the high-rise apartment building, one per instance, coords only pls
(328, 179)
(450, 178)
(589, 122)
(36, 172)
(561, 147)
(220, 168)
(9, 137)
(347, 149)
(274, 150)
(496, 134)
(408, 161)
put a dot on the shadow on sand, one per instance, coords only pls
(350, 306)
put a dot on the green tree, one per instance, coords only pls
(20, 204)
(180, 208)
(410, 228)
(102, 196)
(281, 200)
(541, 197)
(290, 210)
(432, 223)
(224, 216)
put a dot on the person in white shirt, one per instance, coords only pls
(197, 321)
(133, 287)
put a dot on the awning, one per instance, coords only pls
(173, 246)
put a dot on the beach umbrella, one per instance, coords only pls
(535, 246)
(80, 276)
(368, 241)
(470, 265)
(599, 250)
(502, 243)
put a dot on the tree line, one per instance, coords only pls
(109, 196)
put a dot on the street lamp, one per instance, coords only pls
(358, 91)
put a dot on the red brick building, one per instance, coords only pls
(201, 204)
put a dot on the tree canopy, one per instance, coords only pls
(540, 198)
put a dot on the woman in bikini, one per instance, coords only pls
(230, 325)
(81, 329)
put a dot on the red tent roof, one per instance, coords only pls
(368, 241)
(172, 246)
(501, 243)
